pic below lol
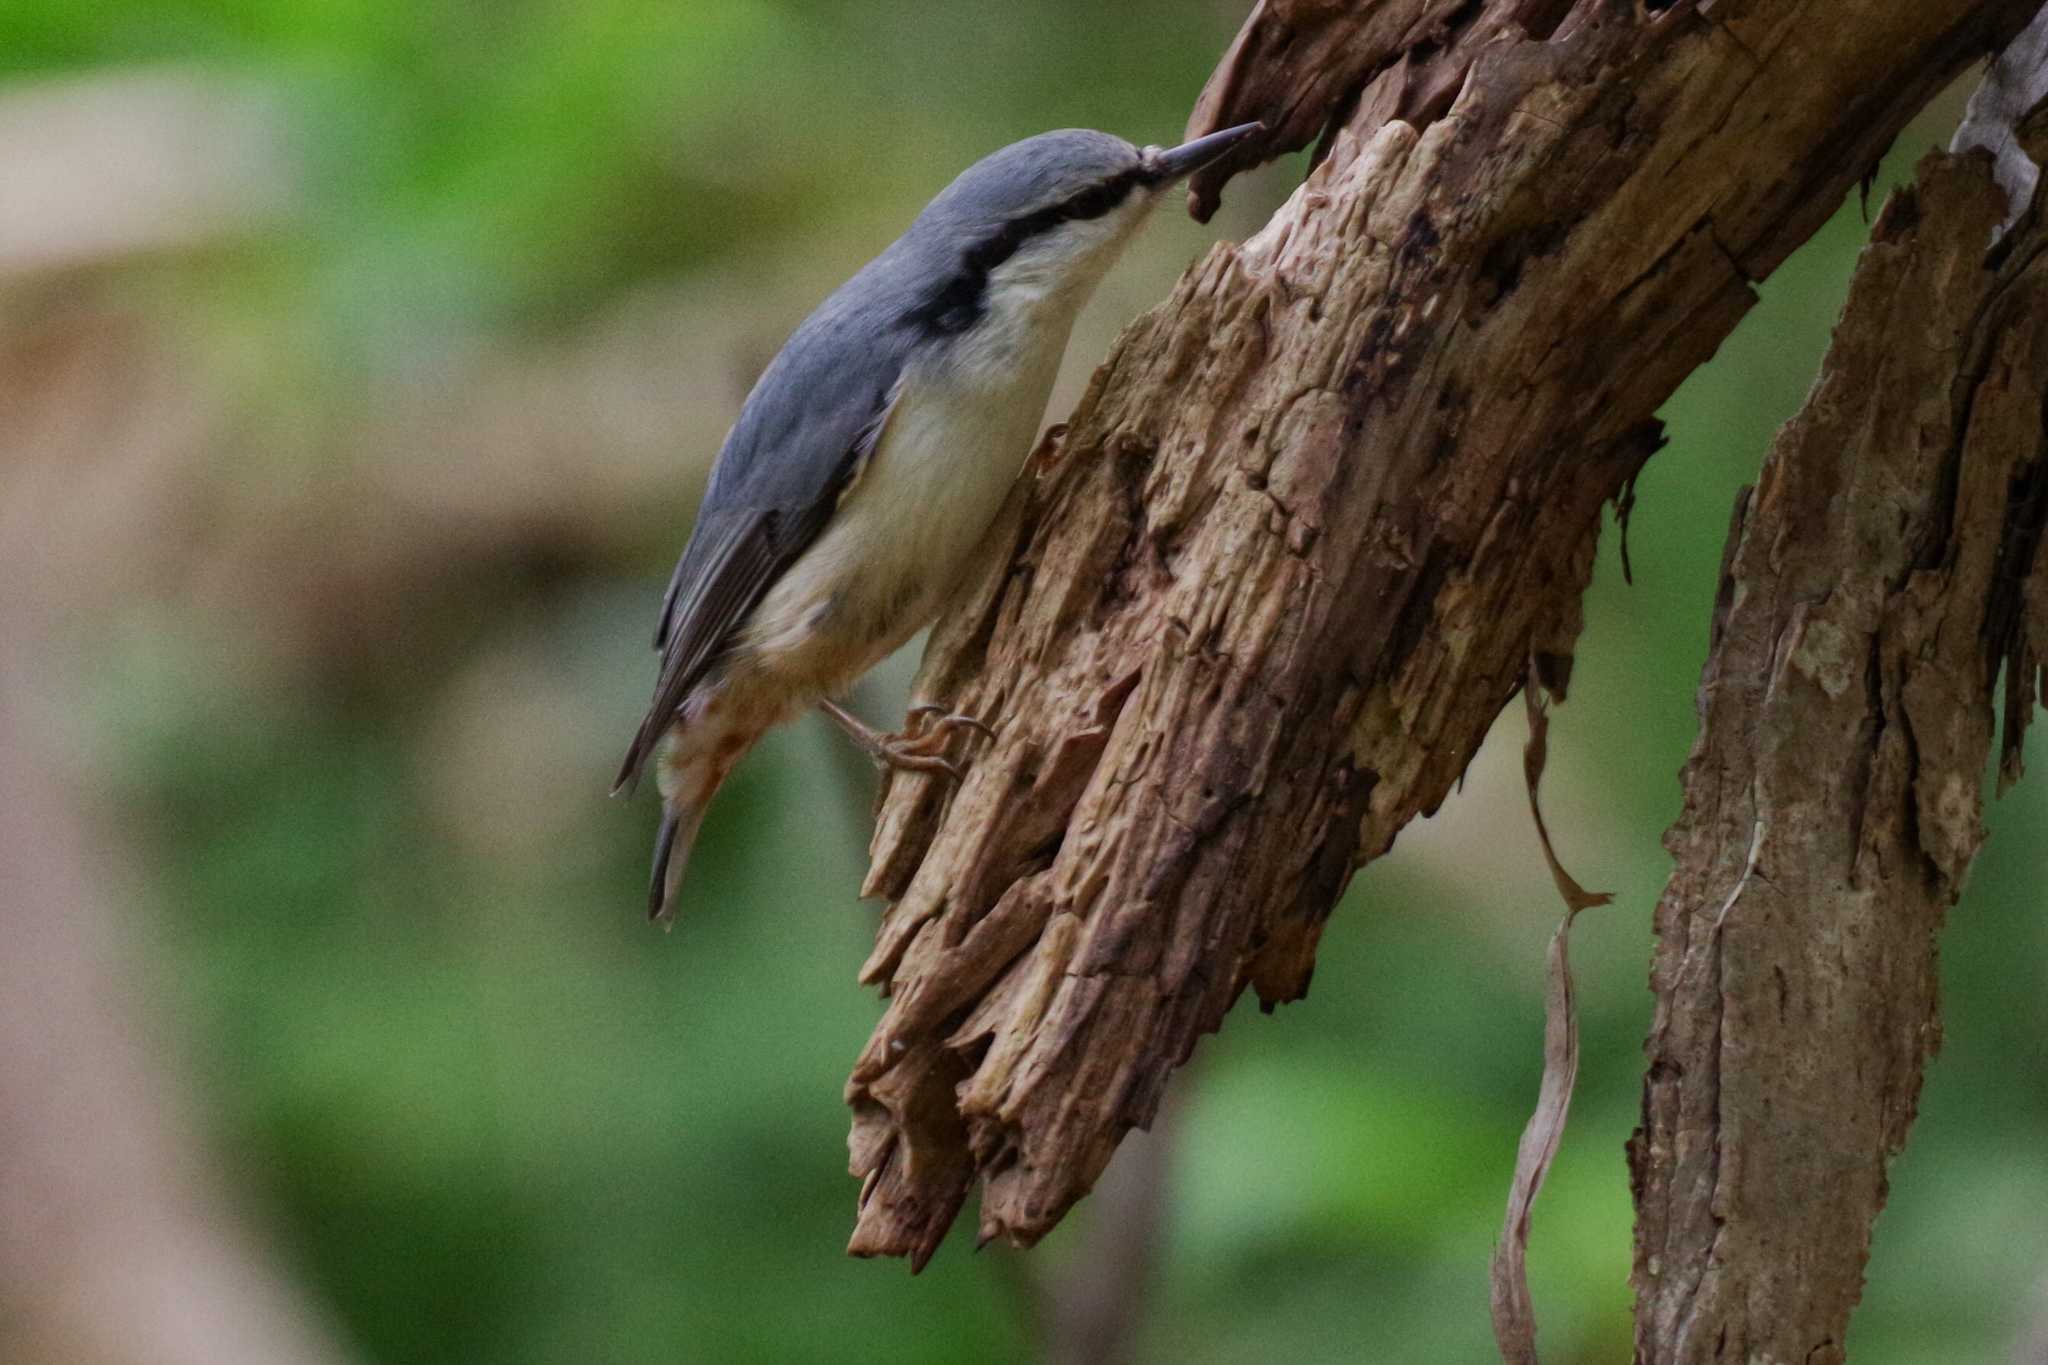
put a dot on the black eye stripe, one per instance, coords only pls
(1093, 202)
(955, 305)
(1097, 200)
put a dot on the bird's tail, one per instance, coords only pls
(680, 822)
(699, 753)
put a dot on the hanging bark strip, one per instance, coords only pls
(1514, 1313)
(1310, 519)
(1887, 564)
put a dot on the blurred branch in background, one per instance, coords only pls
(118, 1244)
(2031, 1345)
(1091, 1302)
(122, 164)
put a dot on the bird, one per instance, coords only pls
(872, 457)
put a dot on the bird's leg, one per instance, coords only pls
(923, 753)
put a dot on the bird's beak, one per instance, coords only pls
(1175, 163)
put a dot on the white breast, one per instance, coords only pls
(908, 532)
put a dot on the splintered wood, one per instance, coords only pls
(1262, 598)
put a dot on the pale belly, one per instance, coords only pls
(910, 530)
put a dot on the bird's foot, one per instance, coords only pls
(923, 751)
(949, 720)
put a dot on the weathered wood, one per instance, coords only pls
(1305, 532)
(1887, 563)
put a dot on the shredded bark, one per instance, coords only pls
(1258, 604)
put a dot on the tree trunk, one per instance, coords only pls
(1315, 520)
(1884, 568)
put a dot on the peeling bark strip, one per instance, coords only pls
(1514, 1313)
(1315, 511)
(1888, 562)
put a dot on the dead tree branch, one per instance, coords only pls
(1314, 515)
(1887, 564)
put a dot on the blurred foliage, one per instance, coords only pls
(492, 1117)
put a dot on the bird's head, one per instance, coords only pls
(1050, 212)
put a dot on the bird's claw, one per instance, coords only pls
(900, 754)
(920, 752)
(925, 751)
(951, 720)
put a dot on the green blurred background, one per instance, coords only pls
(364, 359)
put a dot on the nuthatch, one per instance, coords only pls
(872, 457)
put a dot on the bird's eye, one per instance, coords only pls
(1090, 203)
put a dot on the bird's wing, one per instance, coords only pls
(817, 414)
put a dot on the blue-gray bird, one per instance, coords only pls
(872, 457)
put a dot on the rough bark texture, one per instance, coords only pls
(1313, 521)
(1887, 563)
